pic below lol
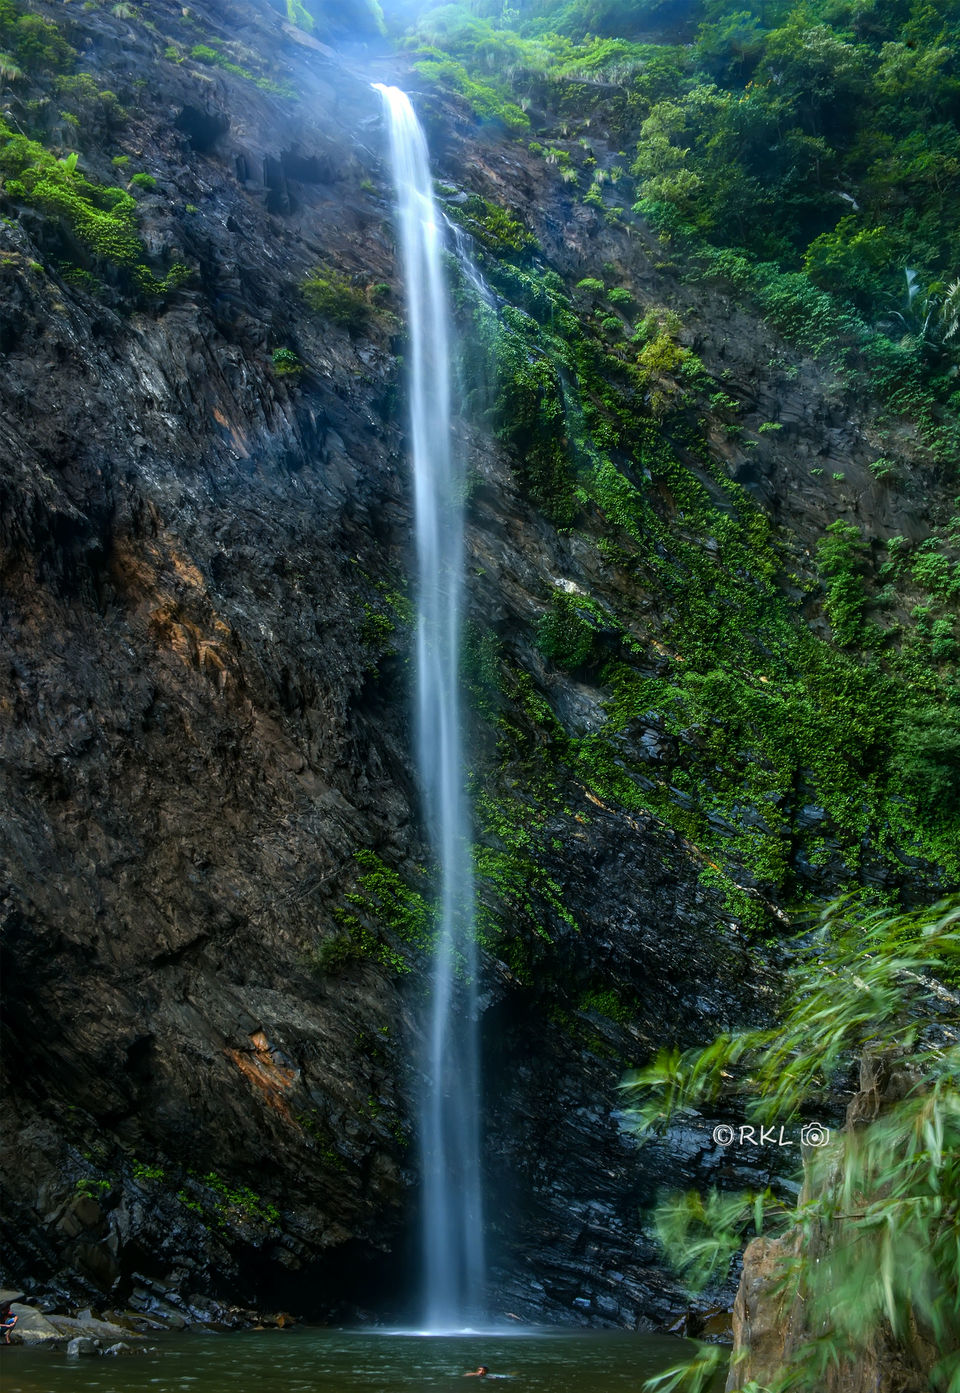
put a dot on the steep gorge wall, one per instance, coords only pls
(211, 1003)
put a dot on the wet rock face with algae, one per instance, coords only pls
(214, 894)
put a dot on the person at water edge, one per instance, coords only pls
(8, 1320)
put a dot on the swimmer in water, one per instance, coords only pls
(480, 1372)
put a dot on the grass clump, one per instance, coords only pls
(388, 922)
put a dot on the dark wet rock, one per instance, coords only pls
(83, 1345)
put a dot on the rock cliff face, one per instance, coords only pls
(212, 847)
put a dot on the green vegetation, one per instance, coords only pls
(806, 152)
(387, 922)
(788, 755)
(332, 295)
(841, 562)
(492, 226)
(95, 109)
(29, 44)
(298, 14)
(758, 717)
(238, 1203)
(142, 1170)
(286, 363)
(89, 1188)
(335, 18)
(212, 54)
(873, 1241)
(143, 181)
(565, 633)
(102, 217)
(388, 614)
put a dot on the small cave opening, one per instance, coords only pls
(307, 169)
(202, 128)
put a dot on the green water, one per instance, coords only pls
(337, 1361)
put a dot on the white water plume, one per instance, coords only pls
(453, 1252)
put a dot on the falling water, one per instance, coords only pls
(449, 1123)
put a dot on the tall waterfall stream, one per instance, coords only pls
(453, 1252)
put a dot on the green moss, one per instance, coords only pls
(238, 1203)
(91, 1188)
(101, 217)
(387, 614)
(604, 1001)
(565, 634)
(334, 296)
(387, 922)
(143, 1170)
(299, 15)
(213, 57)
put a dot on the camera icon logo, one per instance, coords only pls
(814, 1135)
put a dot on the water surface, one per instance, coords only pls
(354, 1361)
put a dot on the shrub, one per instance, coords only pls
(492, 226)
(840, 557)
(332, 295)
(286, 363)
(564, 634)
(102, 217)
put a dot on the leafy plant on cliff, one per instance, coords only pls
(286, 363)
(238, 1203)
(34, 44)
(491, 225)
(333, 295)
(806, 152)
(872, 1249)
(841, 564)
(101, 216)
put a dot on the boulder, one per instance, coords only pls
(83, 1344)
(32, 1328)
(85, 1324)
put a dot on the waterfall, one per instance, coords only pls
(453, 1254)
